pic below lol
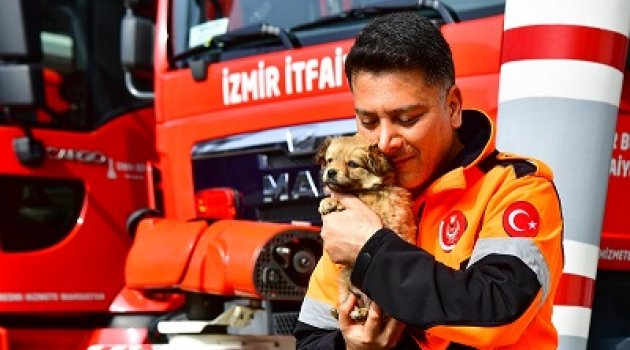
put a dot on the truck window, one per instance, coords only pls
(194, 23)
(64, 51)
(37, 213)
(83, 78)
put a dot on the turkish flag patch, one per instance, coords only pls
(451, 229)
(521, 219)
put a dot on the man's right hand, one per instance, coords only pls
(345, 232)
(378, 332)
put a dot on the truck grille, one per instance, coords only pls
(273, 171)
(284, 322)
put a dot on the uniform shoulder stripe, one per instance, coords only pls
(522, 166)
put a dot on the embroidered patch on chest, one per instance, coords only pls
(521, 219)
(451, 229)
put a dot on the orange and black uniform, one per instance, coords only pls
(484, 271)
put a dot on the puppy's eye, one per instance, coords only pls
(353, 164)
(329, 160)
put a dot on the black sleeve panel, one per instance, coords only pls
(312, 338)
(408, 284)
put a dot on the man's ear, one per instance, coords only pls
(320, 157)
(454, 101)
(377, 161)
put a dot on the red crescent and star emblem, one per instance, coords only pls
(521, 219)
(451, 229)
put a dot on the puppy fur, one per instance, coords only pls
(354, 165)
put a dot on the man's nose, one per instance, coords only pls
(388, 139)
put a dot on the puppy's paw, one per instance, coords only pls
(334, 313)
(359, 314)
(329, 205)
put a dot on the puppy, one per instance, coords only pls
(354, 165)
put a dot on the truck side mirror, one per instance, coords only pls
(21, 85)
(21, 77)
(136, 50)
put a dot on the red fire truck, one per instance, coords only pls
(74, 149)
(245, 92)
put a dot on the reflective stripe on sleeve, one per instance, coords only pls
(317, 314)
(523, 248)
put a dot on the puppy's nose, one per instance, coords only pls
(331, 174)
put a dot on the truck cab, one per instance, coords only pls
(75, 149)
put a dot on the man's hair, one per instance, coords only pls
(402, 41)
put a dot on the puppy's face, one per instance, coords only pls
(352, 164)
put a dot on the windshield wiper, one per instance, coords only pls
(211, 52)
(373, 10)
(251, 33)
(257, 31)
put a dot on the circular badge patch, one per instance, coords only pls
(451, 229)
(521, 219)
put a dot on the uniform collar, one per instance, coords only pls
(477, 134)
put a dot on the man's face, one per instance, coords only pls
(413, 123)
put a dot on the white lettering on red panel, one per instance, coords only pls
(51, 297)
(620, 164)
(607, 253)
(297, 76)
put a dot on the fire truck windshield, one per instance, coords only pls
(293, 15)
(224, 29)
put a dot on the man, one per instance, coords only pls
(488, 258)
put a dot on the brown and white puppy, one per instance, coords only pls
(354, 165)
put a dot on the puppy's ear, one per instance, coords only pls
(377, 161)
(320, 157)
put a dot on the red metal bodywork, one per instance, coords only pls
(91, 258)
(615, 242)
(83, 274)
(71, 293)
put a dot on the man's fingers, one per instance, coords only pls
(344, 310)
(374, 319)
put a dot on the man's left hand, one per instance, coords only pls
(378, 331)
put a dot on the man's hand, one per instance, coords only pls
(378, 331)
(346, 231)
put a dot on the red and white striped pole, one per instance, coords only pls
(561, 77)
